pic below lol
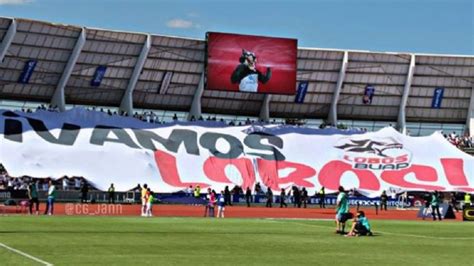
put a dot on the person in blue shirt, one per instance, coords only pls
(360, 226)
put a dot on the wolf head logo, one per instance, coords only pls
(370, 146)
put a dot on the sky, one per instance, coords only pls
(419, 26)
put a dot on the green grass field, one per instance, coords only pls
(198, 241)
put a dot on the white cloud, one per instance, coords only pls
(15, 2)
(180, 24)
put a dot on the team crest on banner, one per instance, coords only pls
(375, 153)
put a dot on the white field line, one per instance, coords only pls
(25, 255)
(380, 232)
(429, 237)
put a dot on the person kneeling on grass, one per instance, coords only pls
(360, 226)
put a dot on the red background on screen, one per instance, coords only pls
(224, 51)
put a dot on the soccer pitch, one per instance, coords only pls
(67, 240)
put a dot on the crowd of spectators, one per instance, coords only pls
(462, 142)
(8, 182)
(151, 117)
(42, 107)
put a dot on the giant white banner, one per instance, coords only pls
(110, 149)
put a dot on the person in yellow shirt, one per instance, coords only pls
(197, 191)
(150, 199)
(467, 200)
(144, 199)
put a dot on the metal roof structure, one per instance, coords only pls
(167, 73)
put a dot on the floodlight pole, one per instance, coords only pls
(58, 99)
(126, 105)
(7, 40)
(401, 121)
(332, 117)
(470, 115)
(264, 115)
(195, 110)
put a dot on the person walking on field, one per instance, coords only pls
(84, 191)
(467, 199)
(454, 202)
(304, 197)
(144, 198)
(296, 197)
(383, 201)
(149, 203)
(227, 196)
(221, 205)
(435, 201)
(248, 196)
(283, 198)
(51, 197)
(33, 196)
(212, 203)
(322, 198)
(208, 203)
(111, 193)
(427, 208)
(269, 198)
(197, 192)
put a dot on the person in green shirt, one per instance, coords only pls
(33, 196)
(342, 210)
(360, 226)
(149, 203)
(111, 192)
(435, 201)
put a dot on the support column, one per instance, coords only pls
(265, 109)
(126, 105)
(401, 121)
(332, 117)
(7, 40)
(470, 115)
(196, 104)
(58, 99)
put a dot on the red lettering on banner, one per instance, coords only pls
(347, 158)
(331, 174)
(268, 171)
(373, 161)
(169, 172)
(421, 172)
(402, 158)
(214, 168)
(454, 171)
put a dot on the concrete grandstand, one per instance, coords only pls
(157, 72)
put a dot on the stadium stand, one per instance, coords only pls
(153, 72)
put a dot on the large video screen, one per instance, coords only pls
(251, 63)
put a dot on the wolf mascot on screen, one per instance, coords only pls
(247, 74)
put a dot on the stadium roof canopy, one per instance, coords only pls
(138, 63)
